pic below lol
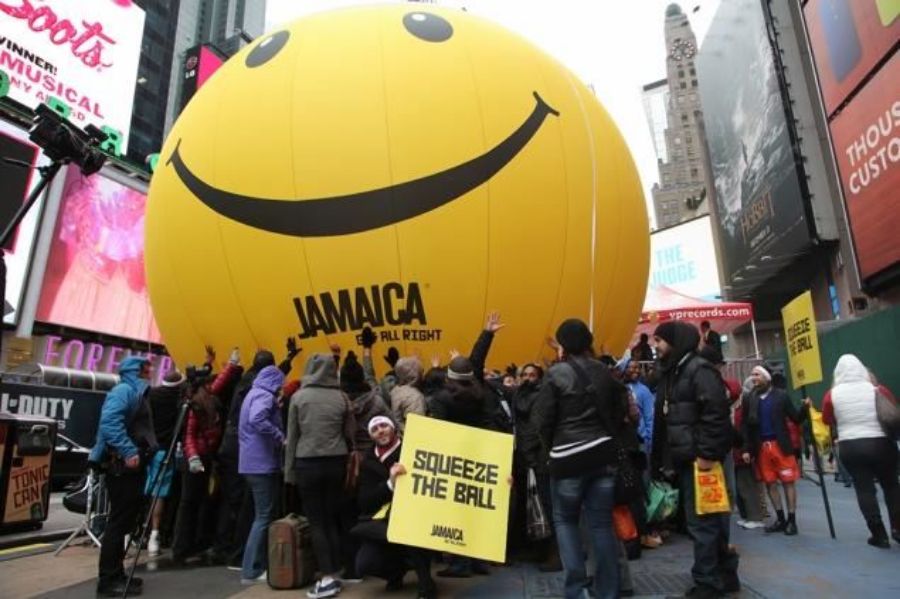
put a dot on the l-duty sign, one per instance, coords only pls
(84, 53)
(77, 411)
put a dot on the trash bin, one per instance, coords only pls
(26, 452)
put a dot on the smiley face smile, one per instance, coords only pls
(362, 211)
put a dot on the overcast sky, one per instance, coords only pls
(616, 46)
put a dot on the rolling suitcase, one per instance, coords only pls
(291, 559)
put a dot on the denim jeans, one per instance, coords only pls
(714, 565)
(595, 496)
(256, 551)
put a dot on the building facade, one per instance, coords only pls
(681, 192)
(172, 28)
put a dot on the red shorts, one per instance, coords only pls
(772, 465)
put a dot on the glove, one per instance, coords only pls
(235, 357)
(392, 356)
(195, 465)
(368, 337)
(292, 349)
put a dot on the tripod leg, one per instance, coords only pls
(179, 424)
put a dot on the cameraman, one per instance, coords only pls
(125, 436)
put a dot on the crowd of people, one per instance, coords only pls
(592, 433)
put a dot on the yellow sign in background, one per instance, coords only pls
(455, 495)
(802, 340)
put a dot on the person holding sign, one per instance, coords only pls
(579, 410)
(377, 476)
(767, 440)
(692, 430)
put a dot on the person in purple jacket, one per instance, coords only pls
(261, 438)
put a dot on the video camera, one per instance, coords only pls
(198, 375)
(63, 141)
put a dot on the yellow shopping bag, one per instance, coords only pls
(821, 432)
(710, 493)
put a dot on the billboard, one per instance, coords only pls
(683, 258)
(760, 203)
(17, 184)
(849, 38)
(866, 138)
(200, 62)
(95, 270)
(85, 53)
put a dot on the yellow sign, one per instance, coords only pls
(393, 167)
(455, 495)
(802, 340)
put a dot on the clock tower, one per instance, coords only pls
(681, 193)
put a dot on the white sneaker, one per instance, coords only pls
(261, 578)
(322, 589)
(742, 523)
(153, 544)
(750, 524)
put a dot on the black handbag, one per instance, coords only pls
(627, 475)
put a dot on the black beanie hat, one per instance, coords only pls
(574, 336)
(262, 359)
(352, 371)
(712, 354)
(460, 369)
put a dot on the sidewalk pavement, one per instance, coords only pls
(772, 567)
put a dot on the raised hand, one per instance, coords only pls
(493, 323)
(292, 348)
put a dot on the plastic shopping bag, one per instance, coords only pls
(710, 492)
(538, 526)
(821, 432)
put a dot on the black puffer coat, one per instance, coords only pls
(692, 412)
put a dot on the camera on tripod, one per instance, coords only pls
(198, 375)
(63, 141)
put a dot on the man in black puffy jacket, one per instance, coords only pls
(692, 425)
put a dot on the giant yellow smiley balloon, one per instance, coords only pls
(406, 168)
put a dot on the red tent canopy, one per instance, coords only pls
(663, 304)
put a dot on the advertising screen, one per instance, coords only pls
(84, 53)
(760, 204)
(683, 258)
(95, 271)
(200, 62)
(17, 183)
(848, 38)
(866, 138)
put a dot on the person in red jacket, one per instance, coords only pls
(202, 437)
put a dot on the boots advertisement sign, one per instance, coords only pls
(82, 53)
(866, 137)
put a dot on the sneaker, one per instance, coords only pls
(261, 578)
(324, 589)
(751, 524)
(741, 522)
(234, 568)
(651, 541)
(153, 544)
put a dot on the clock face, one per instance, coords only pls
(682, 49)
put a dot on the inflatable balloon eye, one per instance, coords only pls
(407, 170)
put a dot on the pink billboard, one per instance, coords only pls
(95, 271)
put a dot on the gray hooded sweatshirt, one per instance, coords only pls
(320, 418)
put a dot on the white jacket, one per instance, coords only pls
(853, 399)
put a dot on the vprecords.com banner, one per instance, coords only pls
(82, 52)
